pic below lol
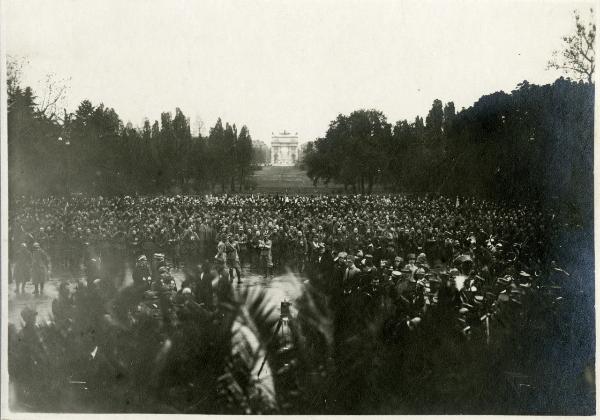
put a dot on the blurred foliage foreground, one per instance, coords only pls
(159, 351)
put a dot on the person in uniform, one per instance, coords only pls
(142, 273)
(421, 261)
(368, 271)
(40, 268)
(254, 248)
(324, 268)
(243, 243)
(232, 249)
(300, 251)
(221, 248)
(411, 266)
(336, 288)
(158, 261)
(354, 241)
(266, 257)
(276, 248)
(351, 275)
(174, 242)
(398, 263)
(22, 268)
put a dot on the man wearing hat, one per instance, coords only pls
(141, 273)
(354, 241)
(411, 266)
(243, 244)
(324, 261)
(463, 262)
(399, 283)
(351, 274)
(337, 279)
(398, 263)
(422, 261)
(369, 271)
(255, 250)
(221, 247)
(266, 256)
(300, 251)
(158, 260)
(233, 259)
(360, 259)
(275, 245)
(22, 268)
(40, 268)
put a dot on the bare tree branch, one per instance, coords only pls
(578, 54)
(54, 94)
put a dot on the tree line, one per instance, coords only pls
(93, 151)
(535, 142)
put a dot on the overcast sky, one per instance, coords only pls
(275, 65)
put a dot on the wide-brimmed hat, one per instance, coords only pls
(341, 254)
(463, 259)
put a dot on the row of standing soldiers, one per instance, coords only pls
(30, 266)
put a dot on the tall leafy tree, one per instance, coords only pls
(435, 119)
(92, 150)
(228, 151)
(244, 155)
(216, 153)
(449, 116)
(352, 151)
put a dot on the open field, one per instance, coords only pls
(289, 179)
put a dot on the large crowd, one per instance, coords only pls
(416, 262)
(407, 247)
(188, 227)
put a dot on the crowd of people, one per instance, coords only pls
(415, 262)
(277, 231)
(406, 247)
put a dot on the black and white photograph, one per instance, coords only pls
(336, 207)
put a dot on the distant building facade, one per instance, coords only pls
(284, 149)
